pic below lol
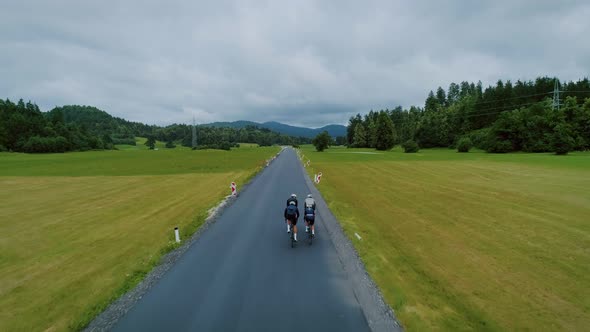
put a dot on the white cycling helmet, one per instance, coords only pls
(293, 195)
(309, 196)
(292, 203)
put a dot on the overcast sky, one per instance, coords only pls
(299, 62)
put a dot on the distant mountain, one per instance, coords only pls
(99, 122)
(235, 124)
(333, 130)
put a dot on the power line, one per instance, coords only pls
(504, 106)
(520, 105)
(501, 110)
(580, 91)
(519, 97)
(508, 108)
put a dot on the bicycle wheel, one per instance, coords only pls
(292, 240)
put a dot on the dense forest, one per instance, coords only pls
(502, 118)
(24, 128)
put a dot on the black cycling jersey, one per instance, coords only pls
(292, 218)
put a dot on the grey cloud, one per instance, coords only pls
(306, 62)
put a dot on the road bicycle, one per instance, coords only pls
(292, 239)
(310, 235)
(292, 236)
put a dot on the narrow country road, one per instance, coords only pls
(242, 274)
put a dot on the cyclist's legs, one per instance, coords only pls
(294, 226)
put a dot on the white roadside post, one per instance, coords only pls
(234, 189)
(318, 178)
(176, 235)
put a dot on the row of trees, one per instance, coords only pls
(223, 138)
(501, 118)
(376, 131)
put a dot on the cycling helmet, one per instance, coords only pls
(293, 195)
(309, 196)
(292, 203)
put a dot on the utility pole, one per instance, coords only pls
(556, 95)
(194, 134)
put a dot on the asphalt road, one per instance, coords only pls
(243, 275)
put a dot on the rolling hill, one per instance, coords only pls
(333, 130)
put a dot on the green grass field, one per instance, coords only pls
(470, 241)
(248, 145)
(79, 229)
(140, 145)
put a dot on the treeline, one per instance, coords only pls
(223, 138)
(24, 128)
(502, 118)
(124, 132)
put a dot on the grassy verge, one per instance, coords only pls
(468, 241)
(77, 230)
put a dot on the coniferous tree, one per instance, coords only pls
(504, 117)
(385, 132)
(441, 97)
(360, 136)
(371, 132)
(454, 93)
(350, 130)
(431, 103)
